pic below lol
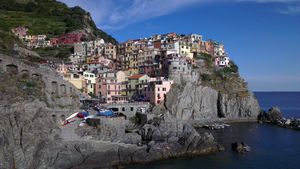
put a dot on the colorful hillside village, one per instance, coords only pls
(140, 70)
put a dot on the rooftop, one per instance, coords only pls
(136, 76)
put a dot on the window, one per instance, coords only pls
(108, 92)
(131, 108)
(164, 89)
(123, 108)
(158, 89)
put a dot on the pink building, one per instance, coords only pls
(157, 90)
(109, 87)
(62, 69)
(20, 31)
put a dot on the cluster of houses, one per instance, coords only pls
(41, 41)
(136, 70)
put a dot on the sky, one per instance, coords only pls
(261, 36)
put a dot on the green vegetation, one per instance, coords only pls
(208, 60)
(7, 41)
(47, 17)
(225, 80)
(135, 120)
(55, 52)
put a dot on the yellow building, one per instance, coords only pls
(136, 84)
(185, 49)
(76, 80)
(110, 51)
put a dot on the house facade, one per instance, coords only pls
(135, 85)
(110, 86)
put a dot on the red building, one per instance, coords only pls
(67, 39)
(157, 44)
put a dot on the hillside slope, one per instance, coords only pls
(48, 17)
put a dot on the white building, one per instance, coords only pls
(195, 37)
(80, 49)
(90, 81)
(222, 61)
(76, 58)
(219, 50)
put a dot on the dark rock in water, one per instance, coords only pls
(273, 115)
(240, 147)
(221, 148)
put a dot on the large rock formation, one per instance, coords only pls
(201, 104)
(31, 138)
(224, 98)
(273, 115)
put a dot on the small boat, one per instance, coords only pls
(105, 112)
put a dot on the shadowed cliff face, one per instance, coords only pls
(203, 104)
(24, 126)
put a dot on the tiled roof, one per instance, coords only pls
(136, 76)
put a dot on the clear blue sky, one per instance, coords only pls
(261, 36)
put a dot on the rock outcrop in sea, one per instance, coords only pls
(274, 116)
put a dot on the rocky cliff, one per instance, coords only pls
(35, 98)
(32, 138)
(202, 104)
(210, 94)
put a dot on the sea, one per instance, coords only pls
(271, 147)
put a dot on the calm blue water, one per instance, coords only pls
(288, 102)
(272, 147)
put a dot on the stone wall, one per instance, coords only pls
(60, 93)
